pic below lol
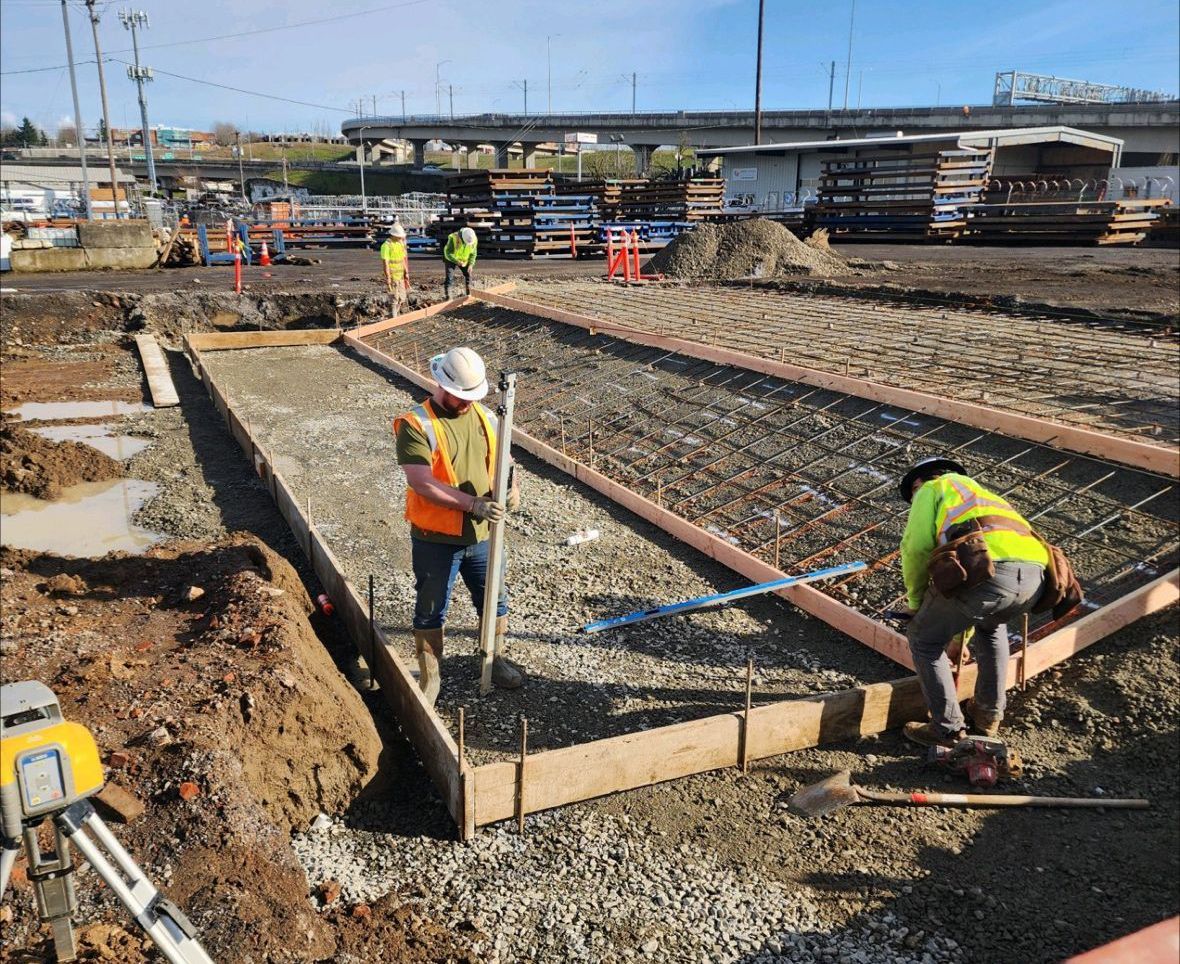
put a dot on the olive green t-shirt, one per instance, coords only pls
(468, 447)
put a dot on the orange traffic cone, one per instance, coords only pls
(264, 259)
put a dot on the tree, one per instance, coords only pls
(102, 131)
(67, 136)
(224, 134)
(28, 134)
(9, 137)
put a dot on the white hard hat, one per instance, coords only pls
(461, 372)
(397, 231)
(467, 236)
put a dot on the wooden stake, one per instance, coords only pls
(372, 632)
(462, 738)
(524, 749)
(745, 753)
(1023, 652)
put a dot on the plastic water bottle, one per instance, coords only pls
(582, 535)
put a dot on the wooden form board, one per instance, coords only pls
(571, 774)
(1153, 458)
(397, 321)
(490, 793)
(159, 379)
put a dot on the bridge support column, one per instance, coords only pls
(501, 155)
(472, 156)
(528, 154)
(419, 153)
(643, 153)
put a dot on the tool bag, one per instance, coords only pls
(964, 562)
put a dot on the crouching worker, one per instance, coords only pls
(969, 560)
(446, 446)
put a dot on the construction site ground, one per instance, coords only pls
(248, 685)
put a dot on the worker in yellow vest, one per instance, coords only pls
(446, 446)
(969, 560)
(460, 252)
(395, 261)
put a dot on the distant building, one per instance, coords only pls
(46, 191)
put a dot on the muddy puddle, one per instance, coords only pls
(99, 436)
(90, 519)
(56, 411)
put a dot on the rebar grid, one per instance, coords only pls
(1121, 379)
(796, 475)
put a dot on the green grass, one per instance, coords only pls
(339, 182)
(268, 151)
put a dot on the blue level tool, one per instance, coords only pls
(719, 599)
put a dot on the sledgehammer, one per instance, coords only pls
(837, 792)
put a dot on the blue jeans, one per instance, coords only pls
(435, 567)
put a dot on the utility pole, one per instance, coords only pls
(633, 82)
(831, 86)
(758, 77)
(848, 65)
(860, 81)
(374, 105)
(548, 75)
(133, 20)
(403, 106)
(241, 173)
(106, 118)
(81, 134)
(451, 97)
(438, 87)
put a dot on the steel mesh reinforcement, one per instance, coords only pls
(799, 476)
(1121, 378)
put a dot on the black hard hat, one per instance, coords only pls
(926, 469)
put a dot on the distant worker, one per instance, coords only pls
(969, 560)
(395, 262)
(447, 446)
(460, 252)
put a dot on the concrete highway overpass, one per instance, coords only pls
(1148, 130)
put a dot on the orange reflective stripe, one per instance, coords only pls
(971, 502)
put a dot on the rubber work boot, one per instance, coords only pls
(505, 674)
(925, 734)
(429, 643)
(446, 292)
(984, 723)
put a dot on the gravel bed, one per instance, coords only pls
(326, 416)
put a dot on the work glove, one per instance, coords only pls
(487, 510)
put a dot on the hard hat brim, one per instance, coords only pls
(475, 394)
(905, 488)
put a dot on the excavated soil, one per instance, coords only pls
(39, 467)
(743, 249)
(216, 706)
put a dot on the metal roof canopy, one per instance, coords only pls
(63, 174)
(1003, 137)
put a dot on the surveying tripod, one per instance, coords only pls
(48, 768)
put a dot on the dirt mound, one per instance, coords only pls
(220, 711)
(32, 464)
(741, 249)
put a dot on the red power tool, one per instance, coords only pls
(982, 759)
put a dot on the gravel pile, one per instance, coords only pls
(743, 249)
(613, 890)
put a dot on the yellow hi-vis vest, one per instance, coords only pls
(393, 253)
(426, 515)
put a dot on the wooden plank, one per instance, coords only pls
(222, 340)
(416, 717)
(377, 327)
(1142, 455)
(155, 367)
(860, 627)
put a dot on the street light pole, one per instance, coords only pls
(78, 131)
(758, 77)
(438, 87)
(106, 113)
(364, 199)
(848, 65)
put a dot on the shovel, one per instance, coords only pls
(837, 792)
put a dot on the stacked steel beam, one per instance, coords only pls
(519, 214)
(902, 197)
(1036, 209)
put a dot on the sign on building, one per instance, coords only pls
(744, 174)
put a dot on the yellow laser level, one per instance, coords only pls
(48, 768)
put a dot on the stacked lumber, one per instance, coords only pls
(902, 197)
(308, 232)
(691, 199)
(607, 194)
(519, 213)
(1029, 209)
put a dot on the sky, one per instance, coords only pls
(684, 54)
